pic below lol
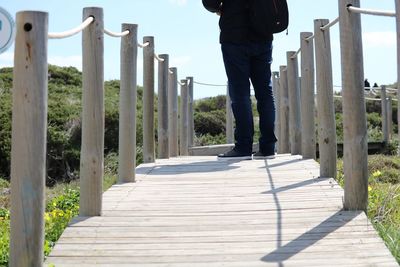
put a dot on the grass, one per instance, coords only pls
(384, 198)
(62, 204)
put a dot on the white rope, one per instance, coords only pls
(296, 54)
(116, 34)
(373, 99)
(61, 35)
(143, 45)
(158, 58)
(371, 11)
(310, 38)
(208, 84)
(181, 84)
(170, 72)
(330, 24)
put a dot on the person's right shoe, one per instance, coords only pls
(261, 155)
(234, 155)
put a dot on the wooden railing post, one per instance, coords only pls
(184, 124)
(28, 145)
(92, 148)
(294, 103)
(326, 110)
(163, 143)
(390, 117)
(397, 6)
(308, 144)
(148, 101)
(191, 112)
(127, 105)
(229, 119)
(275, 86)
(355, 158)
(283, 139)
(384, 107)
(173, 112)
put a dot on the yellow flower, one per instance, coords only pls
(377, 173)
(369, 188)
(46, 216)
(54, 204)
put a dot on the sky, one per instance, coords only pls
(189, 34)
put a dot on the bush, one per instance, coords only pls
(210, 104)
(208, 139)
(212, 123)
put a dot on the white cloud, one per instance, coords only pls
(67, 61)
(180, 62)
(379, 39)
(6, 59)
(178, 2)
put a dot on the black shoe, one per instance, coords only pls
(234, 154)
(261, 155)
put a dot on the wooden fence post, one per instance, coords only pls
(173, 112)
(191, 112)
(326, 109)
(390, 117)
(28, 145)
(148, 101)
(284, 142)
(127, 105)
(229, 119)
(163, 143)
(308, 144)
(397, 6)
(294, 102)
(275, 86)
(384, 107)
(355, 155)
(184, 124)
(92, 148)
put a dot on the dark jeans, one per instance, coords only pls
(245, 62)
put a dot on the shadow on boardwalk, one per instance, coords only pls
(284, 252)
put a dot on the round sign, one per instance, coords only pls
(7, 30)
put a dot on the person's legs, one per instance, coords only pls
(260, 75)
(237, 67)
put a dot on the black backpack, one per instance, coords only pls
(268, 16)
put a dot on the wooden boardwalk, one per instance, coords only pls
(198, 211)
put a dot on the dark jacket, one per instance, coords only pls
(234, 22)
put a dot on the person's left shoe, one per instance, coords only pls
(261, 155)
(234, 155)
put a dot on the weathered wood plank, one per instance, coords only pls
(197, 211)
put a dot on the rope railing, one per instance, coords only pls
(296, 54)
(210, 84)
(330, 24)
(143, 45)
(72, 32)
(116, 34)
(383, 13)
(158, 58)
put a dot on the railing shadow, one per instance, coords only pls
(192, 167)
(330, 225)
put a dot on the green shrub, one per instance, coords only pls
(212, 122)
(208, 139)
(210, 104)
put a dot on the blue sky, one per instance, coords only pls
(189, 34)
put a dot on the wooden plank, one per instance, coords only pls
(196, 211)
